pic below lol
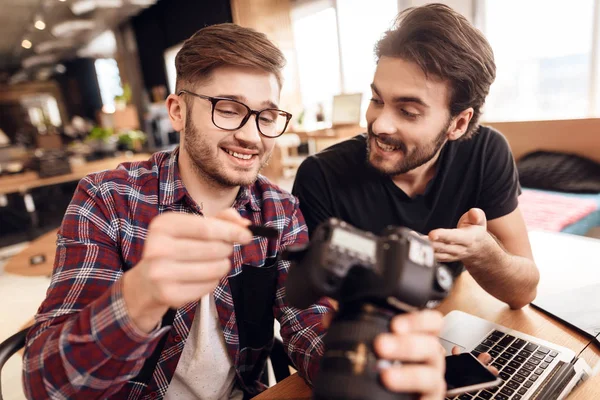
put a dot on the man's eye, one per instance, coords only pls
(408, 114)
(376, 101)
(227, 112)
(265, 120)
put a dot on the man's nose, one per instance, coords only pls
(249, 132)
(384, 123)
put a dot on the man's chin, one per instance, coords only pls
(383, 166)
(239, 178)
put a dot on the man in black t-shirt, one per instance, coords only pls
(425, 162)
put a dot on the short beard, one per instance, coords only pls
(415, 159)
(205, 161)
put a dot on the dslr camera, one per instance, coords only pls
(373, 278)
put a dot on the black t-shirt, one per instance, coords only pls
(477, 172)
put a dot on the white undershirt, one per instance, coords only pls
(205, 370)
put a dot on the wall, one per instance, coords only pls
(168, 23)
(574, 136)
(272, 17)
(468, 8)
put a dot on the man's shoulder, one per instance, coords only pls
(486, 140)
(489, 135)
(134, 174)
(269, 195)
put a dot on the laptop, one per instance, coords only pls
(577, 307)
(530, 368)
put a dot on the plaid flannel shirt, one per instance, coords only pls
(83, 343)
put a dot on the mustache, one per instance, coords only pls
(241, 145)
(387, 139)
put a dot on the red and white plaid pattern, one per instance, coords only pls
(83, 344)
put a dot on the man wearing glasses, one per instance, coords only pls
(159, 288)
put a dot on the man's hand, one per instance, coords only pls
(484, 358)
(184, 258)
(414, 341)
(470, 240)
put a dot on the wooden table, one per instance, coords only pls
(320, 139)
(19, 264)
(22, 183)
(469, 297)
(25, 182)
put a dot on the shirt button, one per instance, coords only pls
(177, 338)
(153, 395)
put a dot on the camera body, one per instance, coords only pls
(373, 278)
(397, 268)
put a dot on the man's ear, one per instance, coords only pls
(176, 108)
(460, 124)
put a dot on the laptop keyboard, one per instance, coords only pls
(519, 361)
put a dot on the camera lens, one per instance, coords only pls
(349, 367)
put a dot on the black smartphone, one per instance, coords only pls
(465, 373)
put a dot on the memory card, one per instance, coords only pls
(264, 231)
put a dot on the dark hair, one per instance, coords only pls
(226, 45)
(443, 43)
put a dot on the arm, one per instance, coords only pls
(517, 284)
(83, 343)
(302, 330)
(496, 253)
(97, 325)
(491, 240)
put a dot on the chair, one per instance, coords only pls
(16, 342)
(9, 347)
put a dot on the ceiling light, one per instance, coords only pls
(143, 3)
(43, 73)
(52, 45)
(80, 7)
(39, 24)
(26, 44)
(72, 27)
(38, 60)
(83, 6)
(62, 1)
(18, 77)
(102, 46)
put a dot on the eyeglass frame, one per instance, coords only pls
(215, 100)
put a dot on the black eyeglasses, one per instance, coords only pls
(231, 115)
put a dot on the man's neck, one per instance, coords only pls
(414, 182)
(208, 194)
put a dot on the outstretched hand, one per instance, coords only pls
(469, 240)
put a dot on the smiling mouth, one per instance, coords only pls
(239, 155)
(385, 147)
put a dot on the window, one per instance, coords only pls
(42, 110)
(543, 51)
(109, 82)
(358, 36)
(318, 55)
(169, 57)
(324, 27)
(547, 53)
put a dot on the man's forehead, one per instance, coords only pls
(243, 84)
(399, 77)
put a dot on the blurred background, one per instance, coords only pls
(83, 84)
